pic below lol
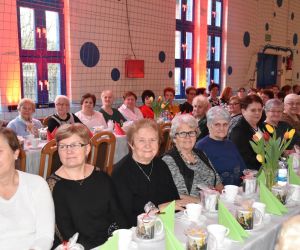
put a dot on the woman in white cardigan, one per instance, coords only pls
(26, 205)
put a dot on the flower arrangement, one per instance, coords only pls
(158, 106)
(269, 149)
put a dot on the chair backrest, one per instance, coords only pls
(103, 146)
(21, 161)
(166, 140)
(45, 121)
(50, 161)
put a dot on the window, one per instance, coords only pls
(183, 76)
(41, 50)
(214, 41)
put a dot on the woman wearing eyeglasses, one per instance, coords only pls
(189, 166)
(220, 151)
(84, 198)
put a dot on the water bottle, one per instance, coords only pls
(282, 177)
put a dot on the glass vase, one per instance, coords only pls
(270, 178)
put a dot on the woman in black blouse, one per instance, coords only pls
(141, 177)
(84, 197)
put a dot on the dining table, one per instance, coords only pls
(262, 237)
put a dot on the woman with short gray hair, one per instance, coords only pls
(189, 167)
(200, 107)
(274, 112)
(220, 151)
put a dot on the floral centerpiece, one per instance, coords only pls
(269, 149)
(158, 106)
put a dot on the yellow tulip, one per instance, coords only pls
(259, 158)
(291, 133)
(269, 128)
(151, 99)
(163, 106)
(159, 99)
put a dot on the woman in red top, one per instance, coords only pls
(146, 108)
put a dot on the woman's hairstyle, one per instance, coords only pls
(217, 113)
(249, 99)
(147, 93)
(67, 130)
(128, 94)
(62, 97)
(273, 103)
(225, 93)
(201, 99)
(212, 85)
(241, 89)
(169, 89)
(106, 91)
(288, 237)
(200, 91)
(11, 138)
(188, 89)
(86, 96)
(268, 93)
(286, 89)
(183, 119)
(26, 100)
(139, 124)
(235, 99)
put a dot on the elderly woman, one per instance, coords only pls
(169, 95)
(274, 111)
(141, 177)
(24, 124)
(62, 116)
(26, 205)
(146, 108)
(84, 197)
(291, 111)
(234, 108)
(107, 110)
(221, 152)
(129, 109)
(246, 127)
(87, 115)
(200, 107)
(189, 166)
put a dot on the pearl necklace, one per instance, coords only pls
(147, 176)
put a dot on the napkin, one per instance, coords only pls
(293, 177)
(172, 243)
(261, 177)
(227, 219)
(111, 243)
(273, 205)
(118, 129)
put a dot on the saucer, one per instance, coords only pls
(155, 239)
(226, 244)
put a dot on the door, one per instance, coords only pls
(266, 70)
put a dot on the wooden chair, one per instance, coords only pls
(166, 140)
(21, 161)
(45, 121)
(103, 146)
(50, 161)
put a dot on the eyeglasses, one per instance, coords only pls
(73, 146)
(233, 104)
(184, 134)
(61, 104)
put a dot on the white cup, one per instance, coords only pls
(294, 192)
(261, 207)
(35, 142)
(193, 211)
(125, 238)
(219, 232)
(230, 192)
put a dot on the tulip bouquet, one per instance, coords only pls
(158, 106)
(269, 149)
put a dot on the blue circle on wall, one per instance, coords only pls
(115, 74)
(89, 54)
(295, 39)
(279, 3)
(229, 70)
(292, 16)
(246, 39)
(170, 74)
(266, 26)
(162, 56)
